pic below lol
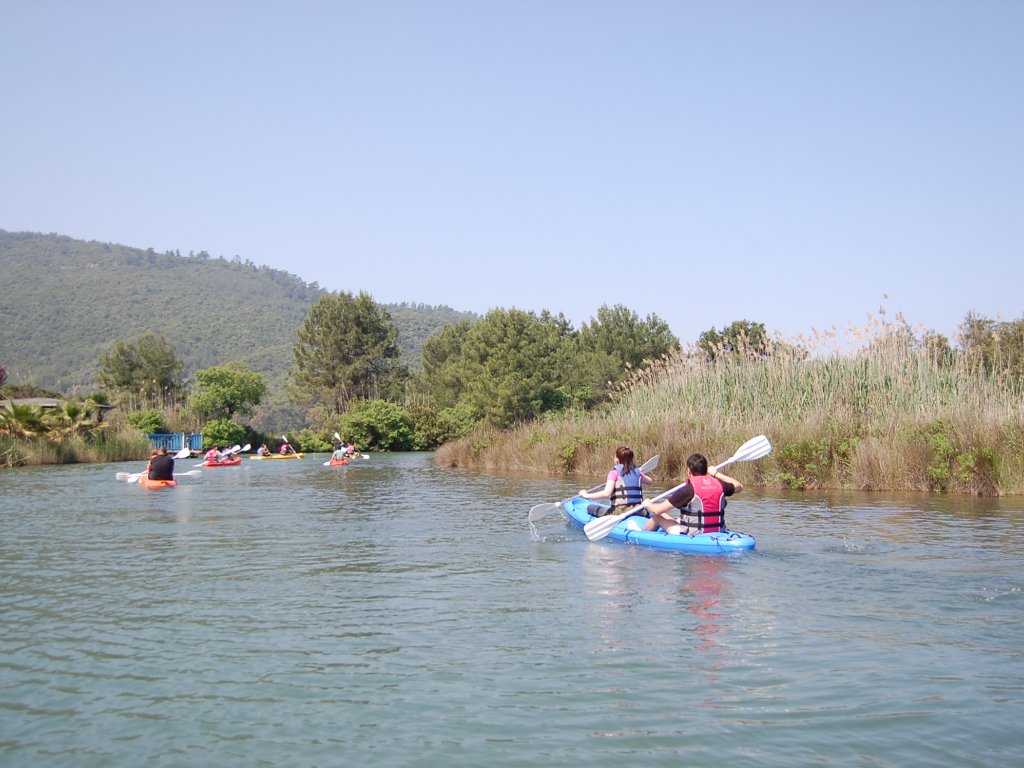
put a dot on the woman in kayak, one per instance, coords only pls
(624, 486)
(697, 507)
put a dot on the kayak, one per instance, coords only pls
(629, 531)
(278, 456)
(339, 462)
(225, 463)
(145, 482)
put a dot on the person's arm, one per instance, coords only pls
(645, 479)
(605, 492)
(723, 478)
(673, 503)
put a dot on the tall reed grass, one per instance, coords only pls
(877, 409)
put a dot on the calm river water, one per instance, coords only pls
(392, 613)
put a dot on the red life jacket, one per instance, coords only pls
(709, 514)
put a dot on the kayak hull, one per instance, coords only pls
(229, 463)
(145, 482)
(628, 532)
(337, 463)
(278, 456)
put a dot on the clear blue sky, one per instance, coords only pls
(788, 162)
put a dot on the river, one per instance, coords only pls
(394, 613)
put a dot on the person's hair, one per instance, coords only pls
(697, 464)
(162, 451)
(624, 456)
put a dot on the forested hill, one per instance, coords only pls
(64, 302)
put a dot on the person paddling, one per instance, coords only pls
(697, 507)
(161, 466)
(624, 486)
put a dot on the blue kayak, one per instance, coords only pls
(629, 531)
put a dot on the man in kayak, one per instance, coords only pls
(697, 507)
(624, 485)
(161, 466)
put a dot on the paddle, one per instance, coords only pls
(754, 448)
(133, 478)
(543, 510)
(233, 449)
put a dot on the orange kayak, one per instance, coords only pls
(145, 482)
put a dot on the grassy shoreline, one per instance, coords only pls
(36, 451)
(895, 415)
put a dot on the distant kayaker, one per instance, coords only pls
(263, 450)
(340, 453)
(624, 486)
(286, 449)
(681, 512)
(161, 466)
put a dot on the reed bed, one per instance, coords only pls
(876, 410)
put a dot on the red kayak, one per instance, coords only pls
(227, 463)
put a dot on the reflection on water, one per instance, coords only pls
(394, 613)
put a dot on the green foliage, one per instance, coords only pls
(225, 390)
(613, 345)
(817, 462)
(740, 338)
(346, 351)
(147, 368)
(312, 442)
(222, 432)
(995, 347)
(432, 428)
(377, 425)
(512, 366)
(149, 421)
(63, 316)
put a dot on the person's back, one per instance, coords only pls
(161, 466)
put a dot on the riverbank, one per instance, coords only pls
(896, 415)
(34, 451)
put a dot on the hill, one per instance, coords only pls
(65, 302)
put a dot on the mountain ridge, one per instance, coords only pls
(67, 301)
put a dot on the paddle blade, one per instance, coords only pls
(542, 510)
(337, 437)
(184, 453)
(602, 526)
(650, 465)
(754, 448)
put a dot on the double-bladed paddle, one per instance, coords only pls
(754, 448)
(543, 510)
(134, 478)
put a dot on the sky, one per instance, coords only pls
(805, 164)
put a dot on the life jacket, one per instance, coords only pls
(213, 455)
(627, 491)
(707, 510)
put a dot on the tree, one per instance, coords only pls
(517, 365)
(443, 374)
(617, 343)
(741, 337)
(346, 350)
(224, 390)
(147, 367)
(377, 424)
